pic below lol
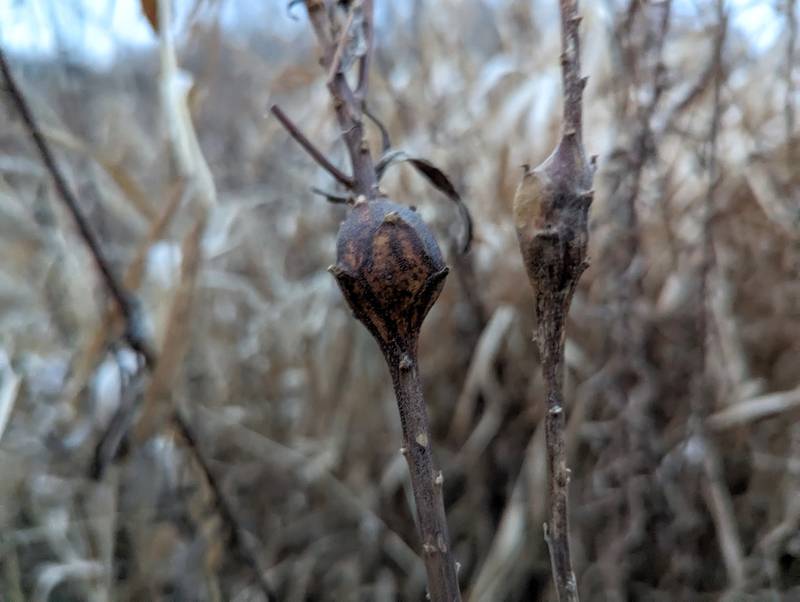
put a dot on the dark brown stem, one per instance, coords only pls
(426, 482)
(237, 538)
(309, 147)
(345, 103)
(126, 304)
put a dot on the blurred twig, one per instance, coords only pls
(132, 331)
(789, 108)
(717, 496)
(346, 103)
(312, 150)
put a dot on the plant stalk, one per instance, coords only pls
(551, 312)
(426, 482)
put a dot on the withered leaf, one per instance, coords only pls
(150, 10)
(438, 179)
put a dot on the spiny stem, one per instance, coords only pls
(552, 316)
(426, 482)
(571, 67)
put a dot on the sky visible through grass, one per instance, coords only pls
(94, 31)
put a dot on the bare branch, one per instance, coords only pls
(126, 304)
(551, 214)
(717, 496)
(346, 105)
(134, 334)
(309, 147)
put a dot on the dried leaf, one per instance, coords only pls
(438, 179)
(386, 141)
(332, 197)
(441, 182)
(150, 10)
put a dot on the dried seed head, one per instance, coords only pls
(390, 270)
(551, 209)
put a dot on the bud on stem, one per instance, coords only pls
(391, 271)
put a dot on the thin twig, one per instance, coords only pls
(336, 62)
(789, 109)
(126, 303)
(716, 493)
(237, 537)
(571, 67)
(127, 307)
(366, 61)
(426, 482)
(309, 147)
(345, 103)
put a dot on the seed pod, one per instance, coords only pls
(390, 270)
(551, 209)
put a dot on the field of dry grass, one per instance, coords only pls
(682, 344)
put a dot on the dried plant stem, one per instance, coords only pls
(571, 79)
(552, 305)
(717, 496)
(426, 482)
(551, 315)
(551, 210)
(133, 336)
(309, 147)
(347, 104)
(399, 350)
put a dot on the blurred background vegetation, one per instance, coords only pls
(683, 341)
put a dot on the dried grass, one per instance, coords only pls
(293, 401)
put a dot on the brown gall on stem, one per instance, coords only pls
(391, 271)
(551, 216)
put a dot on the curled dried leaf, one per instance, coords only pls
(438, 179)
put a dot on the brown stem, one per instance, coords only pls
(345, 103)
(551, 313)
(127, 303)
(718, 497)
(309, 147)
(400, 352)
(426, 482)
(237, 539)
(571, 68)
(551, 215)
